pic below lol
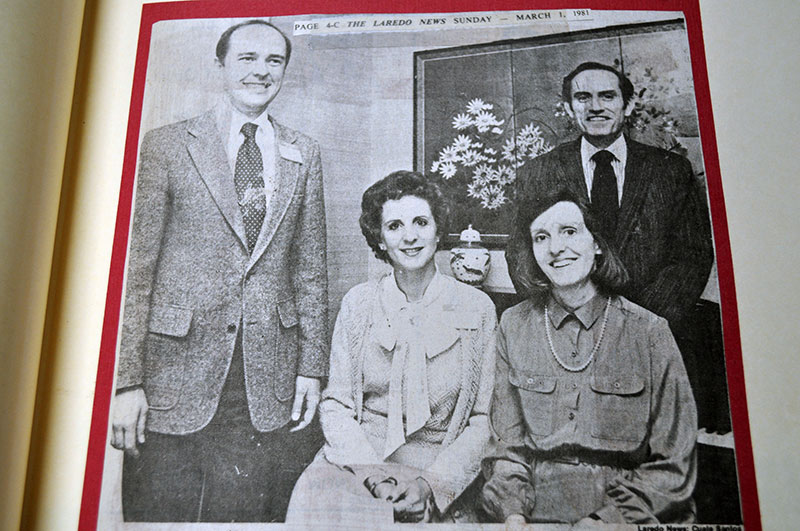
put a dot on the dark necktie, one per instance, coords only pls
(605, 201)
(248, 177)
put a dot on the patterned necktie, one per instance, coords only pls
(248, 177)
(605, 201)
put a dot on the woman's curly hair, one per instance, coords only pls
(395, 186)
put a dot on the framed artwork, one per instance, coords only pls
(482, 112)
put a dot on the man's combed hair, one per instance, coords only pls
(225, 39)
(609, 274)
(625, 85)
(395, 186)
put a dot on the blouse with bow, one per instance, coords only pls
(410, 383)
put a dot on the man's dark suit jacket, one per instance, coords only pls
(193, 287)
(663, 232)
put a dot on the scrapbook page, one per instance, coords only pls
(454, 267)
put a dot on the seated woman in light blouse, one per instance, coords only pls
(405, 413)
(592, 417)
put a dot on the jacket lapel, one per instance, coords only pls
(572, 166)
(288, 162)
(636, 183)
(208, 154)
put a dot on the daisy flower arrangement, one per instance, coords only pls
(484, 156)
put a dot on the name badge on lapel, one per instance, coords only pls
(290, 152)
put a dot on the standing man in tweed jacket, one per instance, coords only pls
(224, 335)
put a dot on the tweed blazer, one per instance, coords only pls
(458, 462)
(193, 287)
(663, 232)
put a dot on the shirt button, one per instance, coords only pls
(231, 328)
(574, 385)
(574, 354)
(571, 415)
(616, 385)
(530, 380)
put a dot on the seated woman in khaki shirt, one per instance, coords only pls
(592, 415)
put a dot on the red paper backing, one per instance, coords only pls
(152, 13)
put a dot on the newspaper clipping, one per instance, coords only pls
(421, 268)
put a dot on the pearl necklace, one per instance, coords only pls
(594, 350)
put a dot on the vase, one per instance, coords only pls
(470, 261)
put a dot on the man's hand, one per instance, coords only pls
(305, 390)
(130, 415)
(412, 502)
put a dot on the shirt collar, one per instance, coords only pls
(618, 148)
(262, 121)
(230, 121)
(587, 314)
(395, 300)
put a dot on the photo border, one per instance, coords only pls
(153, 13)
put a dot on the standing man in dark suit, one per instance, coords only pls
(650, 205)
(224, 339)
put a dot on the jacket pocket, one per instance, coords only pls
(166, 347)
(621, 411)
(287, 349)
(537, 394)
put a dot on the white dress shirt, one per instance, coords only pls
(619, 148)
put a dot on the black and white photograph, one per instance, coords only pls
(444, 268)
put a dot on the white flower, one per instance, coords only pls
(490, 151)
(435, 166)
(485, 120)
(471, 157)
(482, 174)
(509, 150)
(449, 154)
(462, 143)
(462, 121)
(447, 169)
(506, 175)
(497, 131)
(530, 131)
(494, 197)
(530, 143)
(477, 105)
(474, 190)
(540, 148)
(523, 143)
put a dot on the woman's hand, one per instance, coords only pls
(383, 488)
(413, 501)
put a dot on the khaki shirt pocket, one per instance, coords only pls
(621, 408)
(537, 395)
